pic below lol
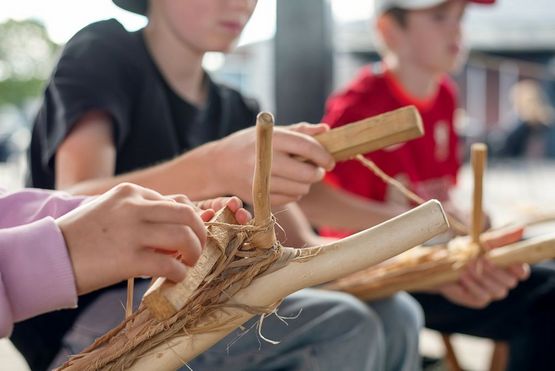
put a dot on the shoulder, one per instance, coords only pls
(104, 45)
(356, 100)
(108, 34)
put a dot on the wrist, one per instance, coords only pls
(204, 171)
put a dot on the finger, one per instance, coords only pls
(234, 203)
(459, 295)
(522, 271)
(304, 172)
(159, 265)
(243, 216)
(165, 212)
(288, 187)
(502, 276)
(182, 199)
(277, 199)
(474, 288)
(310, 129)
(207, 215)
(496, 290)
(214, 204)
(297, 144)
(134, 190)
(180, 238)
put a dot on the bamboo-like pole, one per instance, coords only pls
(329, 262)
(530, 251)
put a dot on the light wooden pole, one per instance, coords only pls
(478, 158)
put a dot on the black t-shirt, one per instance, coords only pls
(104, 67)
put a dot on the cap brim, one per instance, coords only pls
(420, 4)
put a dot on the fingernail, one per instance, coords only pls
(321, 173)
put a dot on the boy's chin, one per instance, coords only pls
(223, 47)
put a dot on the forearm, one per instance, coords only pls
(294, 229)
(330, 207)
(191, 174)
(29, 205)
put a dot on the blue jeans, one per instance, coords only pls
(330, 331)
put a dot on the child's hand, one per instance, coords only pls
(125, 232)
(482, 283)
(234, 159)
(465, 216)
(233, 203)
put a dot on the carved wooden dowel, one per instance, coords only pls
(373, 133)
(530, 251)
(325, 263)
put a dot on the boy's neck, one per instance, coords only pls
(420, 83)
(180, 65)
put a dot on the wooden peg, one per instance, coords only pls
(261, 183)
(478, 158)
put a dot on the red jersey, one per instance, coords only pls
(427, 166)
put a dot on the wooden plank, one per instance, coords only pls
(166, 298)
(373, 133)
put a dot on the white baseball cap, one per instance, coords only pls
(381, 6)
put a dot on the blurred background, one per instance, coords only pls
(301, 51)
(509, 42)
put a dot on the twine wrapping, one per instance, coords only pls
(455, 223)
(238, 266)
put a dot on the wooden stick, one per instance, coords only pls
(478, 158)
(261, 186)
(165, 298)
(530, 251)
(373, 133)
(330, 262)
(450, 355)
(129, 304)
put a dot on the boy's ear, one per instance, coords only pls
(390, 31)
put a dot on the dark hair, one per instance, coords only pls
(399, 15)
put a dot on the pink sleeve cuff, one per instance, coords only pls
(36, 269)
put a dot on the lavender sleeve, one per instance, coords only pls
(30, 205)
(36, 275)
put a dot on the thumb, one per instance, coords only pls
(310, 129)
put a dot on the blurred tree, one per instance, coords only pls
(26, 58)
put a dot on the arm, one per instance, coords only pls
(332, 207)
(85, 163)
(35, 272)
(30, 205)
(294, 229)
